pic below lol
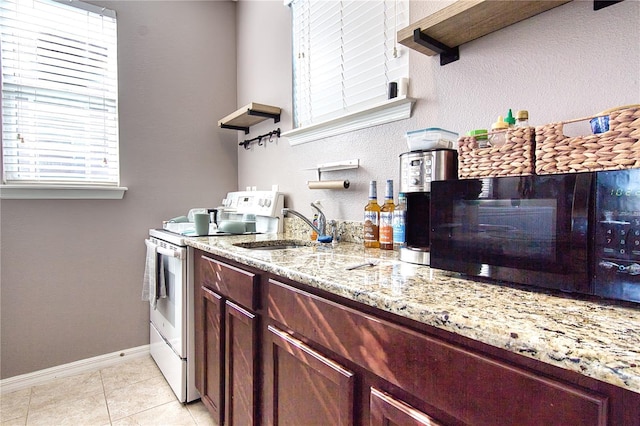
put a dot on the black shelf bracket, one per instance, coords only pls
(229, 126)
(447, 54)
(601, 4)
(276, 117)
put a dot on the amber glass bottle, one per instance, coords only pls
(386, 218)
(372, 218)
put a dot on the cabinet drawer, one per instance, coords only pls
(387, 410)
(467, 385)
(231, 282)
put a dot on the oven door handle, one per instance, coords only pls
(178, 254)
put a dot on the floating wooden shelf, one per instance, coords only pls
(249, 115)
(467, 20)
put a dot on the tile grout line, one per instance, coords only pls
(26, 417)
(104, 395)
(195, 421)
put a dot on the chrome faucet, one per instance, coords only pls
(322, 221)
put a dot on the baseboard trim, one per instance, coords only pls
(35, 378)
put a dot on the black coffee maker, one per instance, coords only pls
(417, 170)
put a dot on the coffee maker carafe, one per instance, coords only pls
(417, 170)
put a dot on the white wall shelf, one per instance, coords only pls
(248, 115)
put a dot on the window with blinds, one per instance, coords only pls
(59, 93)
(345, 55)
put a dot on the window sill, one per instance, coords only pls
(61, 192)
(382, 113)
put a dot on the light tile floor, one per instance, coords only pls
(131, 393)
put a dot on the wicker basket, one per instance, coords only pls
(618, 148)
(514, 158)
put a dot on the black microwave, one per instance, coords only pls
(577, 232)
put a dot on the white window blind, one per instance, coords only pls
(59, 93)
(345, 55)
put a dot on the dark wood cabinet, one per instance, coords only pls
(276, 352)
(470, 387)
(307, 388)
(385, 410)
(226, 340)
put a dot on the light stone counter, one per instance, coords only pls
(598, 339)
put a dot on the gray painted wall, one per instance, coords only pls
(71, 271)
(567, 63)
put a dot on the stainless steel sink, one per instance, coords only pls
(275, 244)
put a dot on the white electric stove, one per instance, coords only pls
(171, 321)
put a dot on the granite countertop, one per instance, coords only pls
(599, 339)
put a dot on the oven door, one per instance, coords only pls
(529, 230)
(169, 315)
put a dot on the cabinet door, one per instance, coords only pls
(242, 362)
(308, 388)
(386, 410)
(209, 325)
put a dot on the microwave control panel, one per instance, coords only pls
(617, 234)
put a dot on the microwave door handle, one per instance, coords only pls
(580, 207)
(579, 277)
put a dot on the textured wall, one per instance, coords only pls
(566, 63)
(72, 269)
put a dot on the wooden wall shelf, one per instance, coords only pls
(248, 115)
(466, 20)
